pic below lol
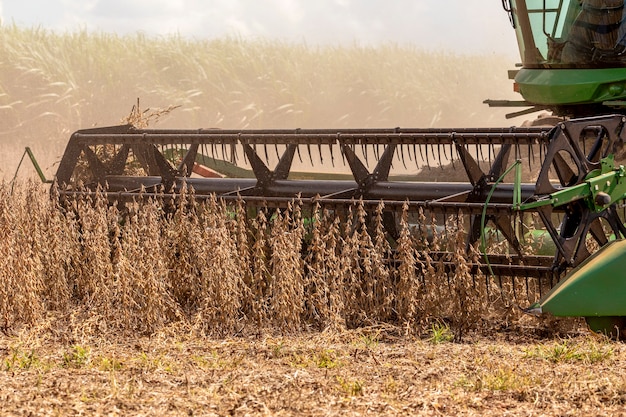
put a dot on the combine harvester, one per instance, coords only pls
(573, 65)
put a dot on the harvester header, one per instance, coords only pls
(550, 222)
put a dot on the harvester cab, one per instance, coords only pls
(573, 56)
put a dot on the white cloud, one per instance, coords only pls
(460, 25)
(292, 10)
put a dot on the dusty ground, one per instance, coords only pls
(373, 371)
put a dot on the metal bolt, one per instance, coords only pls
(602, 199)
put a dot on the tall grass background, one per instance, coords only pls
(52, 84)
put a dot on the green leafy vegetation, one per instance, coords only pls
(590, 351)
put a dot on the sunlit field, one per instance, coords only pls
(204, 309)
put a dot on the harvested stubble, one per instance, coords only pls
(367, 371)
(222, 271)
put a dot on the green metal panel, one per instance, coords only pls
(571, 86)
(595, 288)
(541, 242)
(611, 326)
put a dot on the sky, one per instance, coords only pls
(460, 26)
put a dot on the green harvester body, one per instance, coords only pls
(569, 88)
(573, 57)
(595, 288)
